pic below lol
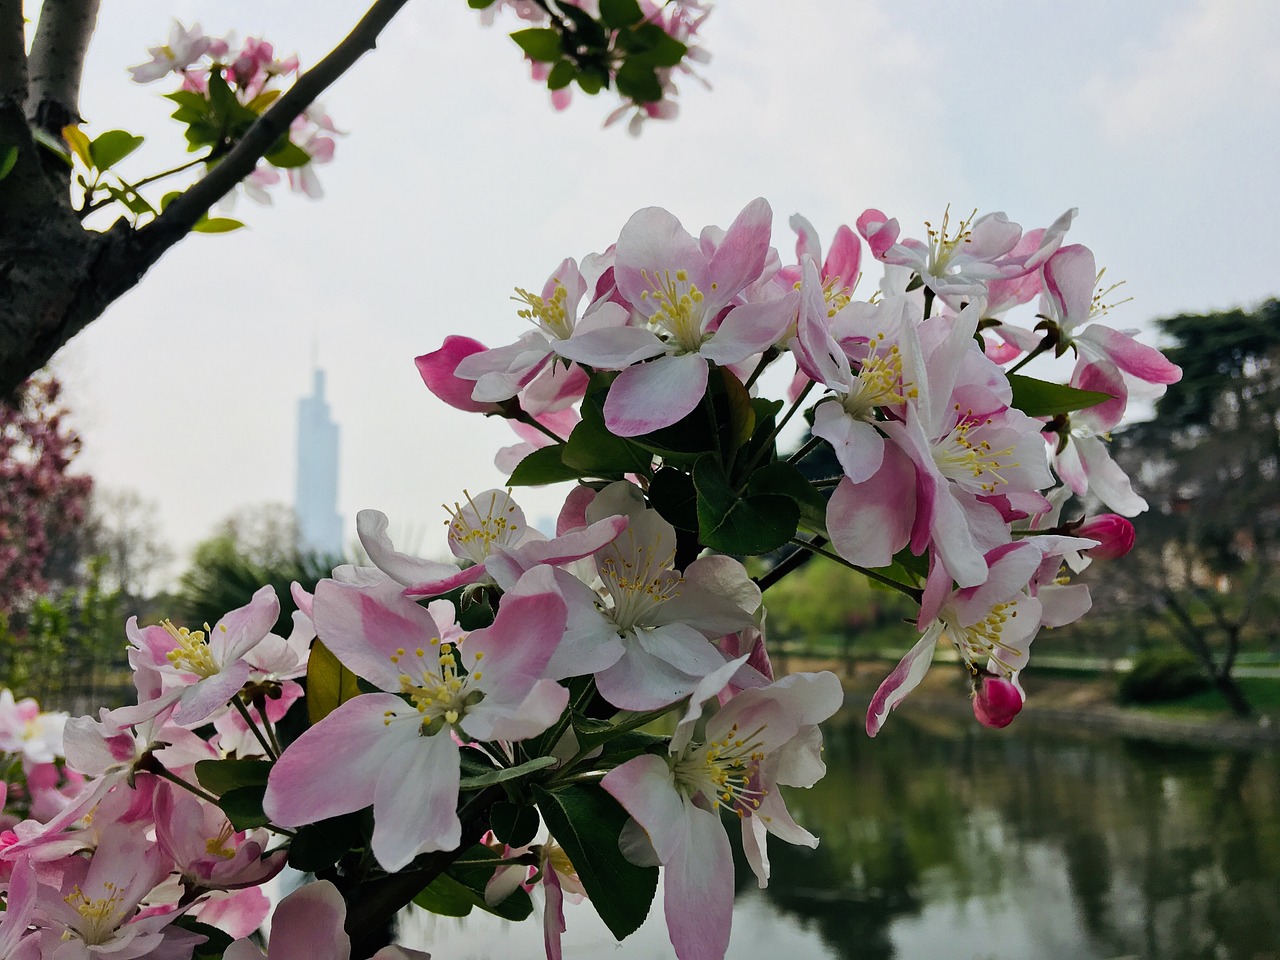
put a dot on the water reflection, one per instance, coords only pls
(942, 840)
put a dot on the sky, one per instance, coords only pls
(457, 182)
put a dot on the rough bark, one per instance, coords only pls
(56, 277)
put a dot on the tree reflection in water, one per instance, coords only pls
(944, 840)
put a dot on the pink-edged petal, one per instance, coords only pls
(843, 259)
(415, 801)
(437, 370)
(553, 925)
(870, 522)
(200, 700)
(878, 230)
(1101, 376)
(740, 256)
(333, 768)
(371, 527)
(365, 627)
(750, 328)
(243, 628)
(718, 597)
(654, 240)
(646, 790)
(698, 888)
(494, 719)
(906, 676)
(311, 915)
(1009, 570)
(659, 667)
(1069, 276)
(518, 644)
(1070, 468)
(612, 348)
(1136, 359)
(858, 445)
(807, 242)
(1107, 480)
(435, 588)
(1063, 604)
(654, 395)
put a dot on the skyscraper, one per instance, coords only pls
(316, 495)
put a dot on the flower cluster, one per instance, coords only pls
(635, 47)
(225, 89)
(478, 728)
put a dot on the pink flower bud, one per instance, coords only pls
(996, 702)
(1115, 534)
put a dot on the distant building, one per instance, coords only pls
(316, 497)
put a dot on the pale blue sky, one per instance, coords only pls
(457, 183)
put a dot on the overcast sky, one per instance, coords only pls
(457, 182)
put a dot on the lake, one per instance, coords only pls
(941, 839)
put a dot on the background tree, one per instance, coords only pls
(125, 533)
(41, 502)
(1209, 465)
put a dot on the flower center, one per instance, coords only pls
(549, 315)
(725, 771)
(476, 531)
(220, 846)
(192, 652)
(679, 309)
(980, 642)
(878, 383)
(100, 916)
(943, 244)
(440, 694)
(963, 456)
(638, 581)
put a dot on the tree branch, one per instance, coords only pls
(185, 211)
(13, 53)
(57, 62)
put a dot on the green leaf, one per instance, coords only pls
(110, 148)
(545, 465)
(288, 154)
(169, 197)
(595, 452)
(617, 14)
(514, 824)
(8, 157)
(216, 941)
(1040, 398)
(223, 776)
(506, 773)
(591, 82)
(672, 494)
(243, 807)
(638, 81)
(216, 225)
(561, 75)
(54, 145)
(320, 845)
(539, 43)
(786, 480)
(587, 822)
(189, 100)
(263, 100)
(447, 897)
(651, 45)
(134, 201)
(329, 683)
(480, 4)
(740, 525)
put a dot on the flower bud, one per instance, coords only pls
(1114, 533)
(996, 702)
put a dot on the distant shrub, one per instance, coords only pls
(1162, 675)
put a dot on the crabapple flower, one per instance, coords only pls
(400, 754)
(26, 730)
(209, 852)
(681, 289)
(308, 924)
(16, 943)
(184, 49)
(1114, 534)
(761, 738)
(206, 672)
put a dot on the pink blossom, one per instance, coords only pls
(184, 48)
(209, 852)
(1114, 534)
(996, 702)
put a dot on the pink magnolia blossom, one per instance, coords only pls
(680, 287)
(400, 756)
(760, 739)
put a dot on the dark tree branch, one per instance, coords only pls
(13, 53)
(57, 62)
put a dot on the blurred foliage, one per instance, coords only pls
(1159, 676)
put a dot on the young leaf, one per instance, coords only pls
(329, 683)
(320, 845)
(78, 143)
(288, 154)
(561, 75)
(1040, 398)
(243, 807)
(223, 776)
(8, 157)
(545, 465)
(595, 452)
(617, 14)
(539, 43)
(740, 525)
(216, 225)
(638, 81)
(498, 775)
(587, 822)
(673, 495)
(447, 897)
(110, 148)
